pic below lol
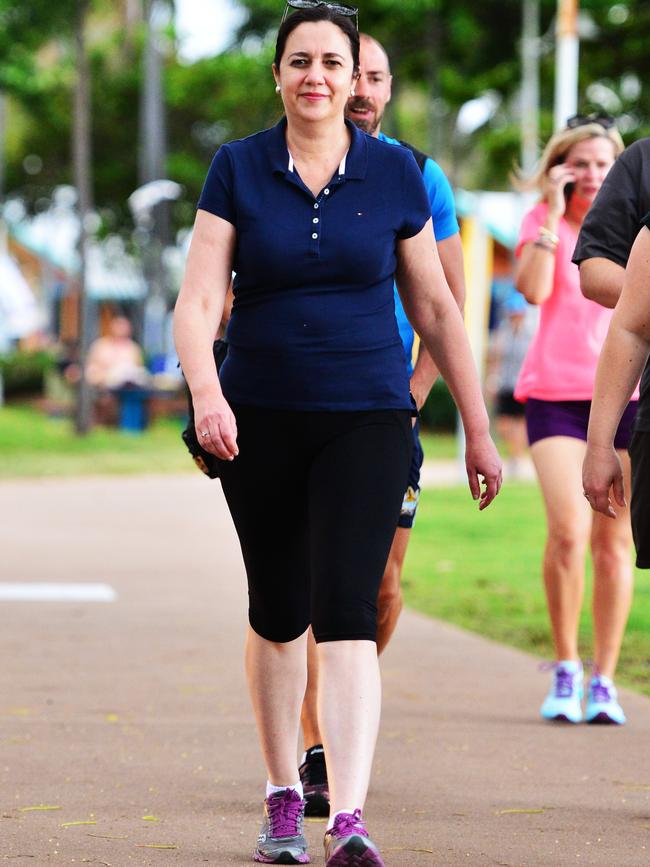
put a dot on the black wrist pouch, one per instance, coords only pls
(205, 461)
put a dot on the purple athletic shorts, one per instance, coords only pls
(570, 418)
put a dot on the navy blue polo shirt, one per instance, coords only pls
(313, 322)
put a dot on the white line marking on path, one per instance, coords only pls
(50, 592)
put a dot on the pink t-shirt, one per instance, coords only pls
(562, 358)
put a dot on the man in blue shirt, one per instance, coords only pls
(366, 109)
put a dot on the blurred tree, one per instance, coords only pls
(444, 55)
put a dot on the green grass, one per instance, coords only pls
(32, 444)
(482, 571)
(439, 446)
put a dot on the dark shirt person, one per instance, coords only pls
(311, 409)
(602, 252)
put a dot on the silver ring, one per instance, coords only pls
(205, 433)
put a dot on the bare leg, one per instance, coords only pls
(389, 601)
(277, 676)
(558, 462)
(349, 700)
(611, 543)
(512, 430)
(309, 715)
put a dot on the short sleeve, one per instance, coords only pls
(530, 227)
(217, 195)
(612, 223)
(441, 200)
(416, 209)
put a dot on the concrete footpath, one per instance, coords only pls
(126, 736)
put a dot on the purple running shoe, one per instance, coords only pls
(313, 776)
(347, 843)
(281, 840)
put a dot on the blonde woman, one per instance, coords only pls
(556, 383)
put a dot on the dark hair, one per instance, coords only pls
(318, 13)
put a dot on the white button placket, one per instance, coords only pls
(316, 223)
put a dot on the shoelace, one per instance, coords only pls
(347, 824)
(600, 692)
(563, 684)
(285, 814)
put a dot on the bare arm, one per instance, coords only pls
(534, 272)
(536, 267)
(227, 311)
(196, 319)
(430, 307)
(425, 373)
(621, 362)
(601, 280)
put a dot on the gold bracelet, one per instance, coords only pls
(547, 235)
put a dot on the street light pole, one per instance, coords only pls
(566, 61)
(81, 147)
(529, 85)
(152, 158)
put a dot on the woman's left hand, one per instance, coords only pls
(602, 472)
(482, 460)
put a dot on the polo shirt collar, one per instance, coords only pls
(355, 161)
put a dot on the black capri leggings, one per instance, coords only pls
(315, 498)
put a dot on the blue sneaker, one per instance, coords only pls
(564, 701)
(602, 702)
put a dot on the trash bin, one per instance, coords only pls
(133, 414)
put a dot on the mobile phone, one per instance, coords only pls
(568, 190)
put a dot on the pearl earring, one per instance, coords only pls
(352, 92)
(278, 89)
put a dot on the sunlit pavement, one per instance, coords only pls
(126, 736)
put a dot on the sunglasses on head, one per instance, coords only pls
(604, 120)
(340, 8)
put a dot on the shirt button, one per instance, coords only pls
(316, 206)
(315, 220)
(314, 236)
(326, 191)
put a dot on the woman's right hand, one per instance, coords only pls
(553, 188)
(216, 427)
(602, 472)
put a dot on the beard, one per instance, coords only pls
(367, 124)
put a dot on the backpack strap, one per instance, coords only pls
(420, 157)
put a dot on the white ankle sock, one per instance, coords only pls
(271, 789)
(330, 823)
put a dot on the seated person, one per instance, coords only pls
(116, 359)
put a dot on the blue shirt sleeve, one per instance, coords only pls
(416, 206)
(217, 195)
(441, 198)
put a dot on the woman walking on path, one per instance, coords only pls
(556, 382)
(311, 412)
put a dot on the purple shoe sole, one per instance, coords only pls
(355, 853)
(282, 858)
(603, 719)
